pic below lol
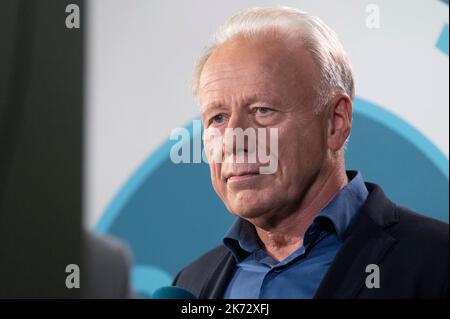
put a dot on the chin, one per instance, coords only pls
(247, 207)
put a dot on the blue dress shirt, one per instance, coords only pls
(258, 275)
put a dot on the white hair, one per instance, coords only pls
(317, 38)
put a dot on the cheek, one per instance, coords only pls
(216, 178)
(212, 139)
(299, 148)
(213, 149)
(215, 172)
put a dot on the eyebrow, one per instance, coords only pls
(247, 101)
(211, 107)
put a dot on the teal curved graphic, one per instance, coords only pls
(442, 43)
(405, 130)
(146, 279)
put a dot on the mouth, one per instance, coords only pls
(240, 177)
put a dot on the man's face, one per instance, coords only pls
(263, 83)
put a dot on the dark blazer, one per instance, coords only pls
(411, 251)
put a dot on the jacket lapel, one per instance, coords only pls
(365, 243)
(215, 286)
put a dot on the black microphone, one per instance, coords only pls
(172, 292)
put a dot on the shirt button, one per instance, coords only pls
(277, 270)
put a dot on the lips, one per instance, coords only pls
(241, 176)
(240, 172)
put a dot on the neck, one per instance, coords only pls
(282, 238)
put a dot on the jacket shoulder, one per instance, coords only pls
(413, 226)
(401, 222)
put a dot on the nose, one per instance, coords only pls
(238, 119)
(237, 124)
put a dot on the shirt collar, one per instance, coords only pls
(241, 239)
(345, 205)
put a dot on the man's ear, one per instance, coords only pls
(339, 121)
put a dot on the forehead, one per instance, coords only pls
(260, 66)
(221, 80)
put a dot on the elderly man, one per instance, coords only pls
(310, 228)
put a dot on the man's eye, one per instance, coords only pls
(262, 110)
(219, 118)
